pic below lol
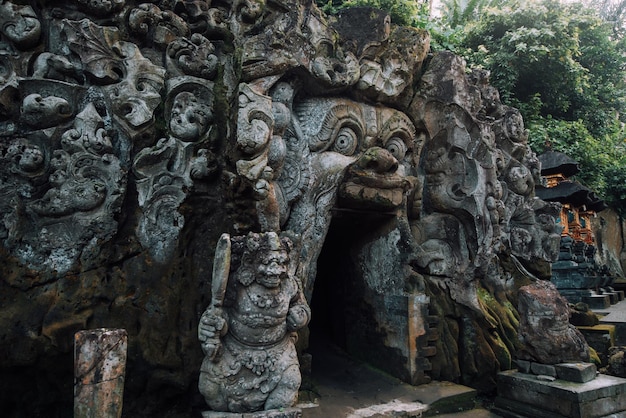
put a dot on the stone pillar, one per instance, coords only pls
(99, 370)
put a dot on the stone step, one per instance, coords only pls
(615, 315)
(524, 395)
(341, 386)
(600, 338)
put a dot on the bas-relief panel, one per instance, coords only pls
(114, 114)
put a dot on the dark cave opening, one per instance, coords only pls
(338, 283)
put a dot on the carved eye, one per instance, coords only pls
(148, 85)
(346, 141)
(396, 147)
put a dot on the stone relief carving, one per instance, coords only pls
(248, 331)
(166, 171)
(134, 133)
(19, 25)
(352, 152)
(548, 336)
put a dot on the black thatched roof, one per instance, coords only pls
(573, 193)
(553, 162)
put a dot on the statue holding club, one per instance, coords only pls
(248, 332)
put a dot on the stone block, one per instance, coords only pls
(614, 298)
(597, 301)
(527, 396)
(542, 369)
(272, 413)
(576, 372)
(99, 371)
(523, 366)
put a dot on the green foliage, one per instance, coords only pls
(602, 160)
(402, 12)
(562, 55)
(560, 63)
(460, 12)
(563, 67)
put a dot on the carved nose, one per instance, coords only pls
(378, 160)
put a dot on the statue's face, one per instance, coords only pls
(190, 118)
(272, 268)
(520, 180)
(31, 159)
(372, 143)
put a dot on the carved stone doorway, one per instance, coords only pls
(341, 313)
(361, 301)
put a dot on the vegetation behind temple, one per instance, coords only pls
(562, 64)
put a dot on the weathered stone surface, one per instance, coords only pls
(248, 330)
(99, 372)
(134, 134)
(576, 372)
(279, 413)
(524, 395)
(543, 369)
(616, 365)
(545, 332)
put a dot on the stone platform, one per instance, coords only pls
(615, 315)
(273, 413)
(526, 395)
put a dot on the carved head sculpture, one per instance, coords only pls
(19, 24)
(28, 159)
(44, 112)
(189, 107)
(189, 117)
(264, 259)
(519, 179)
(377, 140)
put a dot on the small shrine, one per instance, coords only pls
(578, 275)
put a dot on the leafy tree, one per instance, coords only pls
(563, 67)
(613, 12)
(460, 12)
(402, 12)
(562, 55)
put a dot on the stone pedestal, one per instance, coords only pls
(525, 395)
(272, 413)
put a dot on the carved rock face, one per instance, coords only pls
(135, 97)
(133, 134)
(19, 24)
(252, 328)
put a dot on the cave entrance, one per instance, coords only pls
(338, 280)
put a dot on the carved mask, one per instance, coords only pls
(190, 119)
(19, 24)
(137, 95)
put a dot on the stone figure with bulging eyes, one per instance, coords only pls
(248, 331)
(341, 154)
